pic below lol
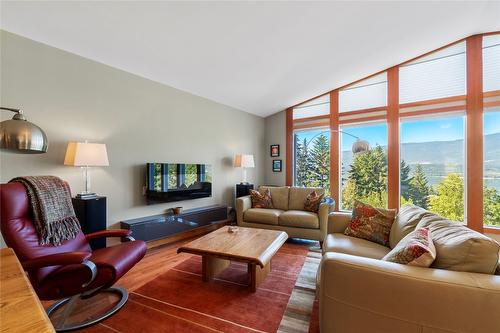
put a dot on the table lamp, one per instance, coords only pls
(85, 155)
(244, 161)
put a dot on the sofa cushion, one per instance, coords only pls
(368, 222)
(261, 199)
(405, 222)
(355, 246)
(298, 196)
(262, 215)
(279, 196)
(459, 248)
(299, 219)
(416, 249)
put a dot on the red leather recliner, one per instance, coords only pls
(71, 270)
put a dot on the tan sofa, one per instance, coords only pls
(288, 213)
(358, 292)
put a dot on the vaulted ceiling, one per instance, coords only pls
(259, 57)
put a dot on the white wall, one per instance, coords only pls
(139, 120)
(275, 134)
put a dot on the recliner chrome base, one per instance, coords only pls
(68, 304)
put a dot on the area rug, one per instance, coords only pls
(179, 301)
(299, 315)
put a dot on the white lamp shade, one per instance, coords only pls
(86, 154)
(243, 161)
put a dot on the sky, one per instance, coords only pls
(438, 129)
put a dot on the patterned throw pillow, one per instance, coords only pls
(416, 249)
(312, 202)
(261, 200)
(368, 222)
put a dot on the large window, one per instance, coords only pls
(414, 116)
(432, 165)
(364, 175)
(440, 74)
(492, 168)
(366, 94)
(312, 158)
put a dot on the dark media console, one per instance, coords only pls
(156, 227)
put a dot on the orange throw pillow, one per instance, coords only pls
(261, 200)
(373, 224)
(312, 202)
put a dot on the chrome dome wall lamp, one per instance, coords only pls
(21, 136)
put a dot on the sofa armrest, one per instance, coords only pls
(242, 204)
(338, 222)
(401, 298)
(324, 211)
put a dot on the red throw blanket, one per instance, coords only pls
(53, 213)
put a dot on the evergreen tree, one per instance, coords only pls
(405, 180)
(301, 164)
(369, 174)
(419, 190)
(449, 198)
(319, 163)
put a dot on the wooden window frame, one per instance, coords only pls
(474, 106)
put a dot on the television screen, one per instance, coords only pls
(176, 181)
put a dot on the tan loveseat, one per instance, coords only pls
(288, 213)
(358, 292)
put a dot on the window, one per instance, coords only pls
(440, 74)
(491, 174)
(432, 164)
(317, 107)
(312, 158)
(364, 175)
(491, 62)
(366, 94)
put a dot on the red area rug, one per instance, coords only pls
(179, 301)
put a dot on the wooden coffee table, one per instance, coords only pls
(253, 246)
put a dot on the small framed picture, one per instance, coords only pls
(276, 165)
(275, 150)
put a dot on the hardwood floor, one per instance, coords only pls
(157, 261)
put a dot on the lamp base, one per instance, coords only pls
(86, 195)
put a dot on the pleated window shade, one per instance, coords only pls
(491, 62)
(369, 93)
(437, 75)
(317, 107)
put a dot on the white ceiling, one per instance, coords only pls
(260, 57)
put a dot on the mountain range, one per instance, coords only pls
(438, 158)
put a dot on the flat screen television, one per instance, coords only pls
(166, 182)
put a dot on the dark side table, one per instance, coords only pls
(91, 212)
(243, 189)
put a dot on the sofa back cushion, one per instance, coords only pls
(279, 196)
(459, 248)
(298, 196)
(406, 221)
